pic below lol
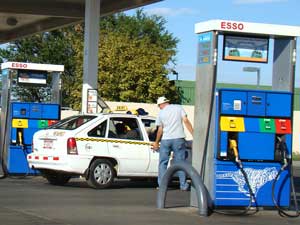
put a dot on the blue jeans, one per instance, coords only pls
(178, 148)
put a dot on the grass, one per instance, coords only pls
(296, 156)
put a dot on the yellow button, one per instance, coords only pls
(20, 123)
(232, 124)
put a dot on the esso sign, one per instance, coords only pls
(19, 65)
(232, 26)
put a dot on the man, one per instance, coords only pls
(171, 135)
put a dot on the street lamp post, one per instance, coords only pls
(174, 72)
(253, 69)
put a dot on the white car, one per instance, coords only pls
(99, 147)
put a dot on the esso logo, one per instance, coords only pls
(19, 65)
(232, 26)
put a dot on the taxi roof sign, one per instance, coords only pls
(247, 27)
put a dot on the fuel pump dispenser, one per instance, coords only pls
(245, 135)
(30, 101)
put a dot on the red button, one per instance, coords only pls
(283, 126)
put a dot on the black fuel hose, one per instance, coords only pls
(281, 211)
(246, 211)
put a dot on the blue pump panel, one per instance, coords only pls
(13, 135)
(20, 110)
(279, 104)
(256, 103)
(233, 102)
(51, 111)
(28, 135)
(288, 141)
(35, 116)
(33, 123)
(17, 160)
(251, 124)
(35, 111)
(231, 188)
(223, 143)
(256, 146)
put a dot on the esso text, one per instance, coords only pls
(231, 26)
(19, 65)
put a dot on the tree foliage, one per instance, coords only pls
(134, 54)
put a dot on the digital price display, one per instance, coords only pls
(244, 48)
(32, 77)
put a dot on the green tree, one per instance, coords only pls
(134, 54)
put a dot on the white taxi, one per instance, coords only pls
(99, 147)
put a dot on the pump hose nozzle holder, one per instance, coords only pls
(286, 164)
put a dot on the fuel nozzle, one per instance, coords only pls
(233, 147)
(285, 159)
(20, 138)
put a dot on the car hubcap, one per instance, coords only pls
(102, 173)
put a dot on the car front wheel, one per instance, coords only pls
(101, 174)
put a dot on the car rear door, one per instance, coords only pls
(132, 151)
(92, 141)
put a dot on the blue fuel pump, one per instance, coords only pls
(254, 121)
(245, 135)
(30, 101)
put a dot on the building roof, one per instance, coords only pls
(19, 18)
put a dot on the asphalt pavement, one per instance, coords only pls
(32, 201)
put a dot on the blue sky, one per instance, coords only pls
(182, 15)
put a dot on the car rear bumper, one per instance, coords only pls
(67, 163)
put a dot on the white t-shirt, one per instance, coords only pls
(170, 118)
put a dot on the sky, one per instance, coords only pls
(182, 15)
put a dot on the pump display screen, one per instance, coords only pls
(249, 49)
(32, 77)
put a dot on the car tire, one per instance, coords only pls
(101, 174)
(57, 178)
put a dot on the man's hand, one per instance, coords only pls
(155, 146)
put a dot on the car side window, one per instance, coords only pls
(124, 128)
(98, 131)
(112, 130)
(151, 128)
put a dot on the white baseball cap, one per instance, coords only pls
(162, 100)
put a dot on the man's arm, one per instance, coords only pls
(159, 133)
(188, 124)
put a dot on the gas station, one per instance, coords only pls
(244, 136)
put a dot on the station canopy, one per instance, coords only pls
(20, 18)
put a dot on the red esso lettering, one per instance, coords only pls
(232, 26)
(223, 25)
(19, 65)
(241, 26)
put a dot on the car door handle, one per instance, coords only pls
(116, 146)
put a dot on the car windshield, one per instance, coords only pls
(72, 122)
